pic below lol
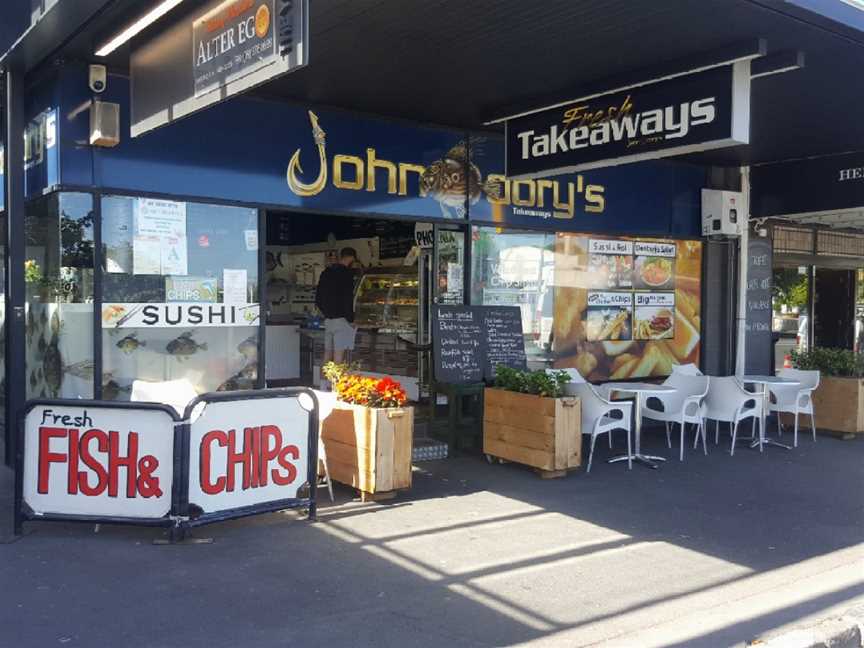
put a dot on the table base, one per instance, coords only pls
(647, 460)
(770, 442)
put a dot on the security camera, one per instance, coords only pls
(98, 78)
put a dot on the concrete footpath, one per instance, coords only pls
(714, 551)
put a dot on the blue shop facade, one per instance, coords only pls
(192, 252)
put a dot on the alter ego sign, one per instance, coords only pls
(98, 461)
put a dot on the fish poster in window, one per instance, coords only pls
(608, 316)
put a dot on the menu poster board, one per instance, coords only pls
(470, 342)
(457, 341)
(635, 317)
(757, 326)
(504, 343)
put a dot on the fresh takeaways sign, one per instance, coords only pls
(685, 114)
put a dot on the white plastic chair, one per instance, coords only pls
(688, 369)
(175, 393)
(795, 399)
(682, 406)
(577, 378)
(597, 419)
(728, 401)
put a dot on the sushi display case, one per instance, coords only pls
(387, 299)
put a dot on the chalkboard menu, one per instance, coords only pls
(503, 336)
(758, 346)
(457, 344)
(468, 342)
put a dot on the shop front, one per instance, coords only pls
(193, 252)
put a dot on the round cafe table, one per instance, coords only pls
(765, 393)
(641, 391)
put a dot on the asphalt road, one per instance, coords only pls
(709, 552)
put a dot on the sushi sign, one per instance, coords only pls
(98, 461)
(179, 314)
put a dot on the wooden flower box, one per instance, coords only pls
(839, 405)
(544, 433)
(369, 449)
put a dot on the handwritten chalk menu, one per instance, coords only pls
(457, 344)
(504, 342)
(758, 344)
(468, 342)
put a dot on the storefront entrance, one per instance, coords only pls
(402, 268)
(833, 308)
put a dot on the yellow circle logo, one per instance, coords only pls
(262, 21)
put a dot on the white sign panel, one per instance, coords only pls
(598, 298)
(178, 314)
(100, 462)
(247, 452)
(655, 299)
(643, 248)
(234, 286)
(610, 246)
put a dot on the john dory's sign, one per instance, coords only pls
(695, 112)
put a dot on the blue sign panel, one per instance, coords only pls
(647, 198)
(297, 157)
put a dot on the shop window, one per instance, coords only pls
(512, 268)
(58, 274)
(611, 308)
(180, 287)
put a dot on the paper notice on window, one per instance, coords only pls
(234, 286)
(147, 255)
(174, 258)
(164, 218)
(251, 237)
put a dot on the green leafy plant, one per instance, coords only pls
(831, 362)
(539, 383)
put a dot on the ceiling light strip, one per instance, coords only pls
(138, 26)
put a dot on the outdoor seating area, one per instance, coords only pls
(690, 400)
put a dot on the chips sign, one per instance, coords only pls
(235, 454)
(98, 461)
(246, 452)
(688, 113)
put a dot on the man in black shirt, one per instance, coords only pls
(334, 297)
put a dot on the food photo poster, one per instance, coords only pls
(625, 307)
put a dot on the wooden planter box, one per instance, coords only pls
(544, 433)
(839, 405)
(369, 449)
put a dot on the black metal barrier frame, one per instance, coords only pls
(180, 517)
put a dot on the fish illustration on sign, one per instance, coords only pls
(41, 344)
(83, 370)
(455, 181)
(130, 343)
(112, 390)
(56, 324)
(184, 346)
(248, 348)
(52, 366)
(235, 383)
(33, 380)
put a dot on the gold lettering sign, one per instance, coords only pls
(353, 173)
